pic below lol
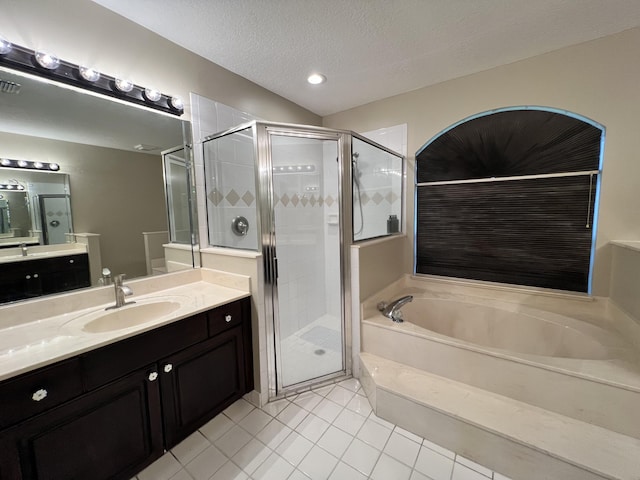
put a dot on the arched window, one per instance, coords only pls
(510, 196)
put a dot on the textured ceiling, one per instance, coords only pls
(372, 49)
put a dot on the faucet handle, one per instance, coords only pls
(118, 279)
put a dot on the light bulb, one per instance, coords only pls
(152, 94)
(47, 60)
(316, 79)
(22, 163)
(124, 85)
(38, 164)
(54, 166)
(5, 46)
(5, 162)
(177, 103)
(89, 74)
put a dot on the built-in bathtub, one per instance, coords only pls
(557, 352)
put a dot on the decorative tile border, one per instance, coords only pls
(233, 199)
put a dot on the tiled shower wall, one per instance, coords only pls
(300, 204)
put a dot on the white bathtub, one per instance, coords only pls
(511, 328)
(522, 345)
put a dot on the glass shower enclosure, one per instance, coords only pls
(286, 191)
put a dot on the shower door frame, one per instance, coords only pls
(266, 215)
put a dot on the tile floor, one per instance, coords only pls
(326, 433)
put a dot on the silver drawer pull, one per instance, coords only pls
(39, 395)
(168, 367)
(153, 376)
(228, 318)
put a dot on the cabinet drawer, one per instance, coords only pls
(35, 392)
(114, 361)
(224, 317)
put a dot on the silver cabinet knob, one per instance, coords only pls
(39, 395)
(71, 261)
(168, 367)
(228, 318)
(35, 275)
(28, 277)
(153, 376)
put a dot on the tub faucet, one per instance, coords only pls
(392, 309)
(122, 291)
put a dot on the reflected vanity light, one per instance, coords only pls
(294, 169)
(47, 65)
(29, 165)
(12, 186)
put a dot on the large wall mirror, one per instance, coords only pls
(124, 178)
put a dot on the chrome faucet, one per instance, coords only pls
(392, 309)
(23, 248)
(122, 291)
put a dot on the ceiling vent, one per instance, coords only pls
(7, 86)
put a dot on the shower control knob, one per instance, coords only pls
(240, 226)
(168, 367)
(228, 318)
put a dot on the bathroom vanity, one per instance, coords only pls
(107, 412)
(29, 277)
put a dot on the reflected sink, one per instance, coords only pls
(129, 316)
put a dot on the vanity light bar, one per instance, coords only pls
(7, 162)
(45, 64)
(11, 186)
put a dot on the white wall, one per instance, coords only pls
(597, 79)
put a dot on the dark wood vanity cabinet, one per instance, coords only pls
(180, 376)
(43, 276)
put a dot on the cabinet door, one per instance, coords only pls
(60, 274)
(111, 433)
(200, 382)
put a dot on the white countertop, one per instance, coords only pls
(40, 255)
(29, 345)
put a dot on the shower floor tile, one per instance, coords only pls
(313, 351)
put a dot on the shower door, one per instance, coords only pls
(302, 242)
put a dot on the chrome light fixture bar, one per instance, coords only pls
(12, 187)
(49, 66)
(30, 165)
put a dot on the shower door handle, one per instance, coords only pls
(275, 268)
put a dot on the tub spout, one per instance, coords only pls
(392, 309)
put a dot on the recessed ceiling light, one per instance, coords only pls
(316, 79)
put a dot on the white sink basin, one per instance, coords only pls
(129, 316)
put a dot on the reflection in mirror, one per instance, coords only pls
(112, 193)
(39, 213)
(180, 195)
